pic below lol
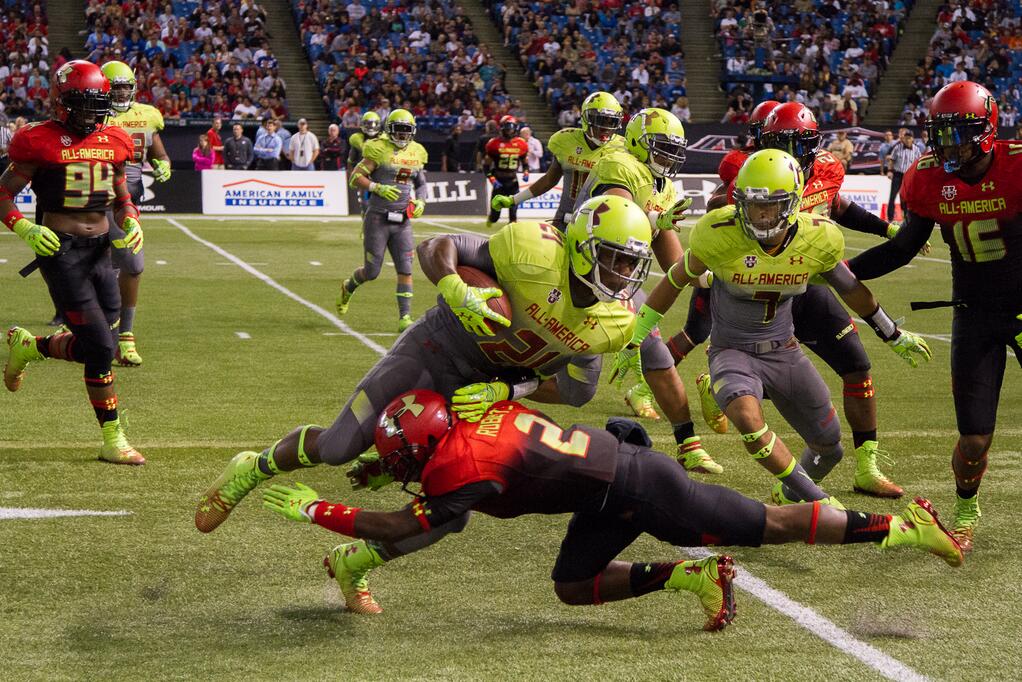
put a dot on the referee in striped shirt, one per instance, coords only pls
(900, 159)
(5, 142)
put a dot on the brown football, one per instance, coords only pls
(477, 278)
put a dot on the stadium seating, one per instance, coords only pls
(383, 54)
(826, 55)
(573, 48)
(197, 60)
(24, 60)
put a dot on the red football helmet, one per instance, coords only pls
(80, 96)
(408, 431)
(508, 127)
(791, 127)
(962, 124)
(758, 117)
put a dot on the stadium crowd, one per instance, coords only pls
(24, 60)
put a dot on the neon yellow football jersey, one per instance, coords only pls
(577, 159)
(141, 122)
(621, 169)
(394, 166)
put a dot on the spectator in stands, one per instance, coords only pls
(303, 148)
(238, 153)
(5, 142)
(202, 155)
(569, 118)
(534, 158)
(901, 157)
(681, 110)
(267, 146)
(332, 151)
(215, 143)
(842, 148)
(245, 108)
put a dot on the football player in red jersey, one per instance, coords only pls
(733, 160)
(505, 154)
(516, 461)
(968, 185)
(76, 166)
(821, 322)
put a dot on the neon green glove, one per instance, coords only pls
(368, 473)
(473, 401)
(501, 201)
(894, 227)
(161, 170)
(416, 207)
(41, 239)
(626, 361)
(133, 237)
(385, 192)
(672, 217)
(1018, 337)
(292, 503)
(646, 321)
(907, 345)
(469, 304)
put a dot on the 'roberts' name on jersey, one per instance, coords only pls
(560, 331)
(489, 425)
(86, 154)
(966, 206)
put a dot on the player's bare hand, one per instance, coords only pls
(295, 504)
(626, 362)
(41, 239)
(469, 304)
(908, 345)
(672, 217)
(473, 401)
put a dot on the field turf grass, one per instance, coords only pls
(232, 363)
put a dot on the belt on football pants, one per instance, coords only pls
(762, 347)
(67, 242)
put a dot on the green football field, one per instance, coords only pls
(240, 345)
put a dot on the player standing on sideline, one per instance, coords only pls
(575, 152)
(143, 124)
(763, 251)
(516, 461)
(76, 165)
(654, 152)
(566, 292)
(505, 154)
(968, 186)
(369, 129)
(821, 322)
(391, 170)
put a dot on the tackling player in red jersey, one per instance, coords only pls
(505, 154)
(821, 322)
(516, 461)
(76, 166)
(968, 186)
(733, 160)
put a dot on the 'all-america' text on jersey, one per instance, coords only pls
(981, 222)
(141, 122)
(506, 155)
(577, 159)
(751, 291)
(73, 174)
(394, 166)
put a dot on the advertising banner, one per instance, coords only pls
(181, 194)
(293, 193)
(456, 194)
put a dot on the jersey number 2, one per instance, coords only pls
(552, 435)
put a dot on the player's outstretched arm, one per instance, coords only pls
(718, 198)
(683, 273)
(891, 255)
(41, 239)
(538, 188)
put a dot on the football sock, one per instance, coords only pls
(683, 431)
(968, 473)
(860, 437)
(820, 463)
(646, 578)
(353, 282)
(404, 299)
(799, 486)
(127, 320)
(966, 494)
(102, 396)
(866, 527)
(60, 347)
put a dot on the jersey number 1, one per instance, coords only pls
(552, 435)
(979, 241)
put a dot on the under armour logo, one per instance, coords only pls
(590, 322)
(409, 406)
(795, 259)
(987, 186)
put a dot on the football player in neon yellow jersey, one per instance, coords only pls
(370, 128)
(143, 123)
(567, 293)
(763, 251)
(576, 152)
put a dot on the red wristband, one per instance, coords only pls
(12, 217)
(336, 517)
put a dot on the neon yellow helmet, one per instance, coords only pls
(370, 124)
(122, 85)
(768, 194)
(608, 244)
(400, 127)
(657, 138)
(601, 117)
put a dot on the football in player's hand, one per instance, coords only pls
(498, 304)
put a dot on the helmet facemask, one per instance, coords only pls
(766, 216)
(86, 111)
(404, 464)
(371, 127)
(666, 153)
(508, 130)
(122, 94)
(803, 145)
(600, 125)
(957, 141)
(615, 271)
(400, 133)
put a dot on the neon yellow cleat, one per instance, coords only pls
(710, 580)
(868, 477)
(404, 322)
(21, 350)
(240, 477)
(640, 399)
(116, 448)
(694, 458)
(967, 515)
(349, 565)
(918, 526)
(344, 298)
(778, 497)
(127, 355)
(712, 414)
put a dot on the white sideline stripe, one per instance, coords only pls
(3, 260)
(7, 513)
(330, 317)
(805, 617)
(243, 335)
(228, 256)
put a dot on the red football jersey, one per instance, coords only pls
(821, 187)
(506, 155)
(540, 468)
(73, 174)
(979, 221)
(729, 165)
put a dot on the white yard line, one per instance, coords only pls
(9, 513)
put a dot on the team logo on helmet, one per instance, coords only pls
(949, 192)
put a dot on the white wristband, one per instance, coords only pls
(372, 185)
(522, 196)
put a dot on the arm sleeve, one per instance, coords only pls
(419, 180)
(474, 251)
(444, 508)
(859, 219)
(893, 254)
(840, 278)
(578, 380)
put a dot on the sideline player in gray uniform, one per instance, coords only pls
(391, 169)
(369, 129)
(762, 252)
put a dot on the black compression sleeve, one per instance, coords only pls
(891, 255)
(444, 508)
(859, 219)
